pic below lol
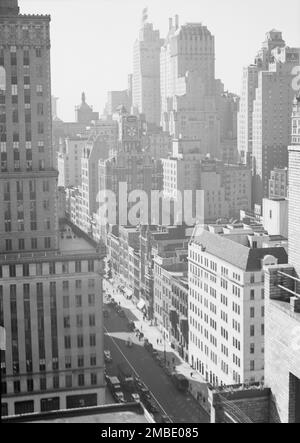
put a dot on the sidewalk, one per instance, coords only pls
(198, 386)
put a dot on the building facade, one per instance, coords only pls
(226, 302)
(146, 73)
(53, 354)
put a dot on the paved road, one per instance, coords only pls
(181, 408)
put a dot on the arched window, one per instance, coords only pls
(2, 79)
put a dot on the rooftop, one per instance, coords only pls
(120, 413)
(231, 251)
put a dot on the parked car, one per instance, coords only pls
(119, 396)
(135, 397)
(131, 326)
(107, 357)
(151, 405)
(145, 394)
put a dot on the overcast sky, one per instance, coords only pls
(92, 40)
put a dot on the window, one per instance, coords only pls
(43, 384)
(252, 312)
(91, 298)
(52, 268)
(21, 244)
(80, 379)
(67, 322)
(252, 348)
(79, 320)
(17, 387)
(93, 379)
(47, 243)
(92, 320)
(92, 340)
(91, 266)
(66, 301)
(80, 361)
(56, 382)
(68, 381)
(68, 362)
(252, 294)
(67, 342)
(30, 385)
(252, 331)
(78, 299)
(78, 266)
(65, 285)
(78, 284)
(252, 365)
(93, 360)
(80, 341)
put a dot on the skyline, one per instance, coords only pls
(91, 76)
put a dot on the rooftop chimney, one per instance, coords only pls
(176, 21)
(170, 24)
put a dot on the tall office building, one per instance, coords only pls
(146, 73)
(53, 354)
(249, 85)
(188, 86)
(131, 166)
(271, 118)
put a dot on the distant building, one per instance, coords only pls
(116, 99)
(275, 216)
(146, 73)
(188, 86)
(69, 162)
(84, 113)
(278, 184)
(249, 85)
(271, 128)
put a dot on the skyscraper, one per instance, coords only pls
(49, 271)
(146, 72)
(188, 86)
(249, 85)
(271, 118)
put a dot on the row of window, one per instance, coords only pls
(82, 380)
(51, 268)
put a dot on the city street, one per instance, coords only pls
(180, 407)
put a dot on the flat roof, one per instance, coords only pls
(119, 413)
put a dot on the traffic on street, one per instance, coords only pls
(137, 372)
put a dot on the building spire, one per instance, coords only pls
(83, 97)
(9, 7)
(145, 15)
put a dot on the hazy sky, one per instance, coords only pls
(92, 40)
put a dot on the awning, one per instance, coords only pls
(141, 305)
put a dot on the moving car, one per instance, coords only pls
(126, 377)
(181, 382)
(107, 357)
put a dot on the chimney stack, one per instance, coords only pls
(176, 21)
(170, 24)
